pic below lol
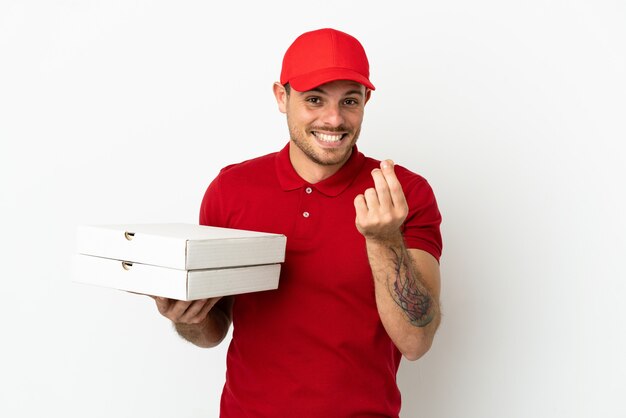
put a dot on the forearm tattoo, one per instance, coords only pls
(408, 293)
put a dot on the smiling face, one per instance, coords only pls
(324, 124)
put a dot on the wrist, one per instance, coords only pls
(394, 239)
(187, 330)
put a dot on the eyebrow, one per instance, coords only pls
(348, 93)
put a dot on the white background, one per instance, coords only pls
(123, 111)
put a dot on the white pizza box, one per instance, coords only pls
(174, 283)
(181, 246)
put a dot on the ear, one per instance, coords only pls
(368, 94)
(281, 96)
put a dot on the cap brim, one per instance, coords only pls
(310, 81)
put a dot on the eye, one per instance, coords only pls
(350, 102)
(313, 100)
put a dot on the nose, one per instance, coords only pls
(333, 115)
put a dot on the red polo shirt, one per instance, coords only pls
(315, 347)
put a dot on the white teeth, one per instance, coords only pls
(328, 138)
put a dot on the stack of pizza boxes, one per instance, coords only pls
(178, 261)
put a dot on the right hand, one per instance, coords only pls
(185, 312)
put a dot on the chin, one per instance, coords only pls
(334, 157)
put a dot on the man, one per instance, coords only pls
(360, 284)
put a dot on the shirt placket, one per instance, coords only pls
(308, 212)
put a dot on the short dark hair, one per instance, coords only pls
(287, 88)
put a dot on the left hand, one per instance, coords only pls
(381, 210)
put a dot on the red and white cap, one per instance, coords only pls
(322, 56)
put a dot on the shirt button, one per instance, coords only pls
(306, 214)
(309, 190)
